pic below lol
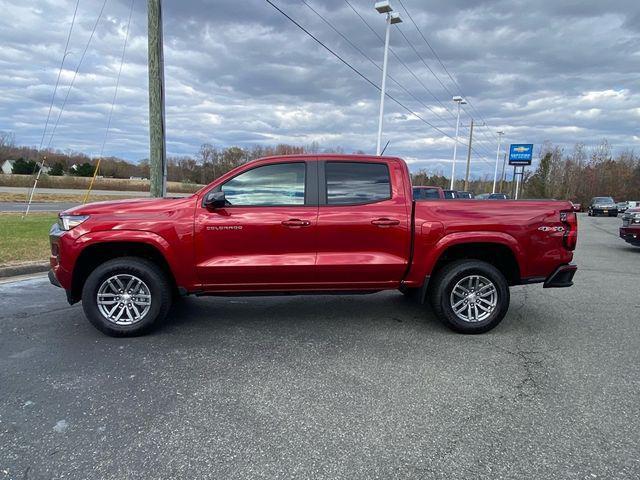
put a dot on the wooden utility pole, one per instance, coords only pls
(157, 143)
(466, 177)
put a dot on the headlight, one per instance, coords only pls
(67, 222)
(635, 217)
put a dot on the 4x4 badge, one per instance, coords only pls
(551, 229)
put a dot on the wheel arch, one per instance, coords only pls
(498, 253)
(98, 252)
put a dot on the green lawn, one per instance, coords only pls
(25, 239)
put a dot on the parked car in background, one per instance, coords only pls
(498, 196)
(602, 206)
(577, 207)
(467, 195)
(428, 193)
(630, 230)
(633, 204)
(450, 194)
(622, 207)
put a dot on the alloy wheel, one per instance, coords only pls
(474, 298)
(124, 299)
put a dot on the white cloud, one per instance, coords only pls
(238, 73)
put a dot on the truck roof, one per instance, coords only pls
(333, 156)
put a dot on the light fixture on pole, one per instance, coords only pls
(495, 171)
(460, 101)
(392, 18)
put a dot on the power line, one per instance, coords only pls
(400, 60)
(113, 103)
(55, 88)
(442, 63)
(359, 50)
(423, 61)
(351, 67)
(75, 73)
(65, 52)
(361, 75)
(64, 102)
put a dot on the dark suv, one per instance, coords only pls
(602, 206)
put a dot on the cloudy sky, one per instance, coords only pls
(239, 73)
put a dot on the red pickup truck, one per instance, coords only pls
(303, 224)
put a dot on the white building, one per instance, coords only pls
(7, 167)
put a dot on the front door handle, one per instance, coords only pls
(385, 222)
(296, 223)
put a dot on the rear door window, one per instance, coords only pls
(357, 183)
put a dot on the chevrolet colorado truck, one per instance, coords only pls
(305, 224)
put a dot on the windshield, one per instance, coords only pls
(424, 193)
(603, 200)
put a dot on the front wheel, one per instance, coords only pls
(470, 296)
(126, 296)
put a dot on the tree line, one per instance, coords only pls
(577, 175)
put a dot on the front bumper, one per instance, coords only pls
(52, 278)
(630, 235)
(562, 277)
(605, 211)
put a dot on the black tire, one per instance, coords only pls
(446, 279)
(156, 281)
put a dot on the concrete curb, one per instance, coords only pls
(24, 269)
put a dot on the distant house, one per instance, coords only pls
(7, 167)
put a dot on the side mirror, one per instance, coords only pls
(214, 200)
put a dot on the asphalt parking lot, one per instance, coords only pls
(331, 387)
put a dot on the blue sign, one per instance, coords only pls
(520, 153)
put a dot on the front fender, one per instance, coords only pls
(175, 258)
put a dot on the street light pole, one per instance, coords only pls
(495, 172)
(391, 19)
(458, 100)
(466, 176)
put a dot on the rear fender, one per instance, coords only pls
(425, 261)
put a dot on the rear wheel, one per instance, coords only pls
(470, 296)
(126, 296)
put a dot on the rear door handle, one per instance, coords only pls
(385, 222)
(296, 223)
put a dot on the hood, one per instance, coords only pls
(129, 206)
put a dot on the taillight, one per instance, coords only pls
(570, 221)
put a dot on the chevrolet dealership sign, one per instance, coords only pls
(520, 153)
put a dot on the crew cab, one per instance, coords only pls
(305, 224)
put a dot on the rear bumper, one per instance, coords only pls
(630, 235)
(562, 277)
